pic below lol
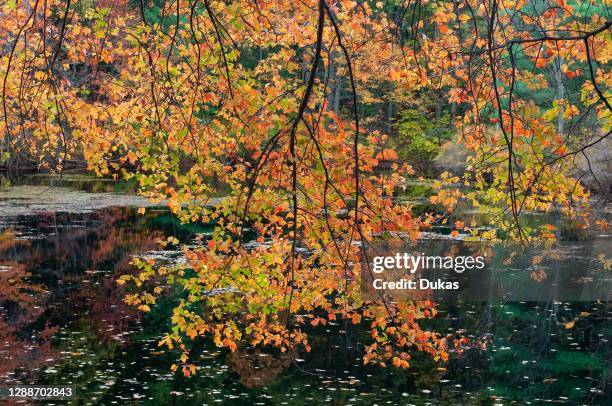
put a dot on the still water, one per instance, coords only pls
(63, 321)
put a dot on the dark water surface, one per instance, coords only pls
(63, 321)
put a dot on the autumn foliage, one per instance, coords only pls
(274, 105)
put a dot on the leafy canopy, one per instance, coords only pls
(193, 97)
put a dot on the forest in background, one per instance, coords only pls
(308, 118)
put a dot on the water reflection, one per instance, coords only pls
(63, 321)
(257, 367)
(65, 278)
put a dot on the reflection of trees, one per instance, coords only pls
(109, 252)
(15, 290)
(66, 279)
(257, 367)
(20, 305)
(531, 351)
(22, 353)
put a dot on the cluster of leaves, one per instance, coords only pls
(503, 62)
(190, 97)
(419, 138)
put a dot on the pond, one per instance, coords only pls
(63, 321)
